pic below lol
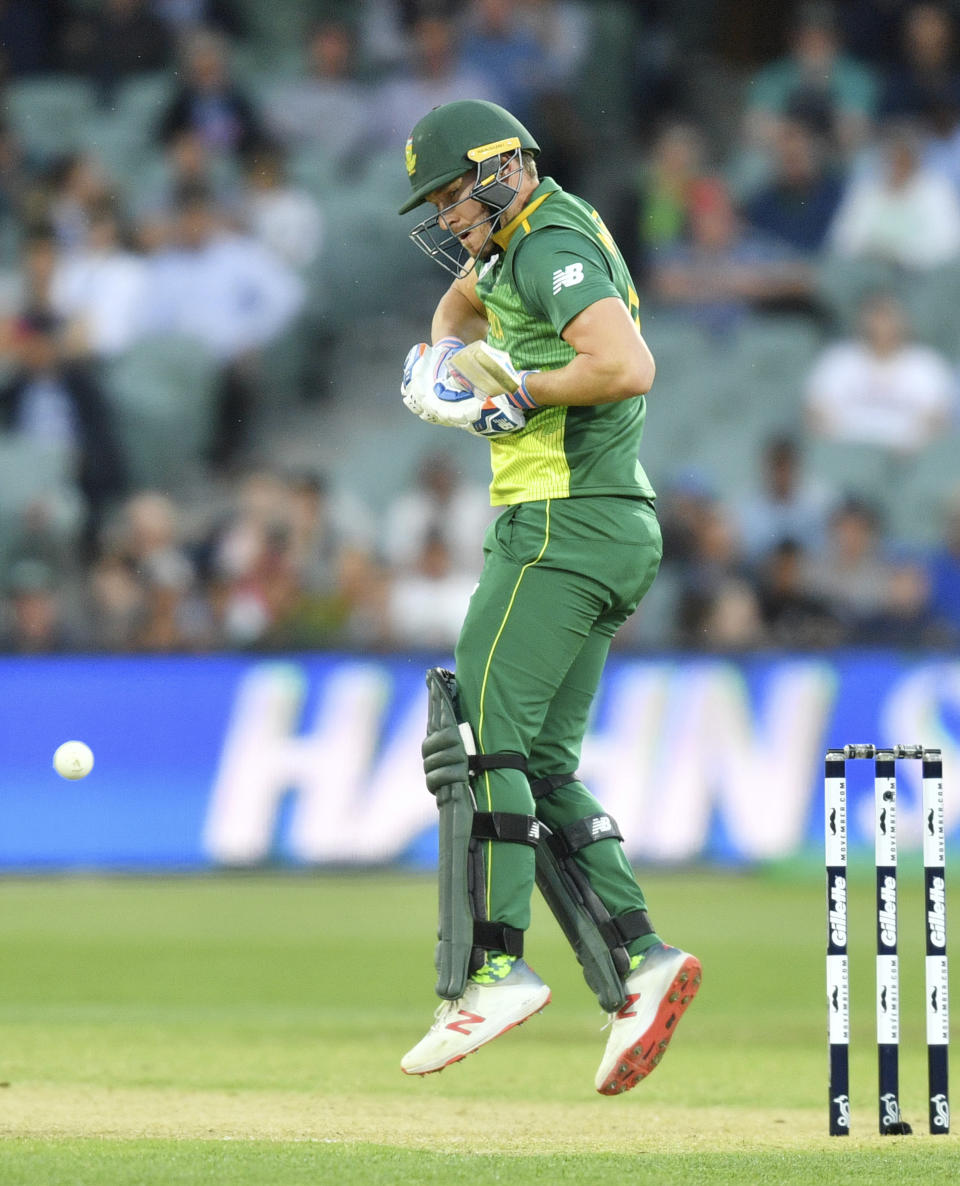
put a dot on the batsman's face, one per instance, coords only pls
(464, 217)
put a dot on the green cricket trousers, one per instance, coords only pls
(560, 576)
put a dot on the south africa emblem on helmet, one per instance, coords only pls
(411, 157)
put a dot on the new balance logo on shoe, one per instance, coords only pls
(567, 277)
(466, 1018)
(627, 1009)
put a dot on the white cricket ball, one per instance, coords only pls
(73, 760)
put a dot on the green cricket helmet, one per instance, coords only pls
(446, 144)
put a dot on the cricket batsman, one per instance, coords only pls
(536, 346)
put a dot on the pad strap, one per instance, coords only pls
(541, 787)
(504, 761)
(497, 936)
(566, 841)
(507, 826)
(620, 931)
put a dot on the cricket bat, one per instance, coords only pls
(485, 368)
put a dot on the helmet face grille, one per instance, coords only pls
(496, 185)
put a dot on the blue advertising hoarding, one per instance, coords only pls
(210, 761)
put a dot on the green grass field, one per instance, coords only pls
(244, 1030)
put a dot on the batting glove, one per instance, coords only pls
(518, 396)
(497, 418)
(438, 396)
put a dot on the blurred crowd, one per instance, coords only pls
(755, 161)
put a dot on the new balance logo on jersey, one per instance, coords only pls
(567, 277)
(600, 825)
(533, 831)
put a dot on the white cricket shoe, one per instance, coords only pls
(484, 1012)
(658, 993)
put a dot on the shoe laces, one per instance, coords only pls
(444, 1010)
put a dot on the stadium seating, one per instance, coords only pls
(30, 471)
(163, 394)
(48, 113)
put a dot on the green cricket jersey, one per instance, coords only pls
(557, 258)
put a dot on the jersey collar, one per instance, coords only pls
(543, 191)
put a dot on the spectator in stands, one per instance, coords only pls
(882, 388)
(118, 40)
(48, 530)
(799, 202)
(324, 522)
(209, 102)
(927, 78)
(282, 216)
(232, 293)
(793, 617)
(723, 269)
(75, 184)
(59, 403)
(426, 604)
(439, 502)
(152, 546)
(850, 575)
(903, 213)
(326, 107)
(925, 85)
(114, 602)
(497, 44)
(142, 587)
(30, 287)
(666, 186)
(905, 620)
(287, 570)
(563, 30)
(716, 605)
(437, 72)
(35, 622)
(944, 574)
(816, 80)
(187, 163)
(941, 142)
(99, 289)
(732, 619)
(327, 544)
(788, 506)
(682, 507)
